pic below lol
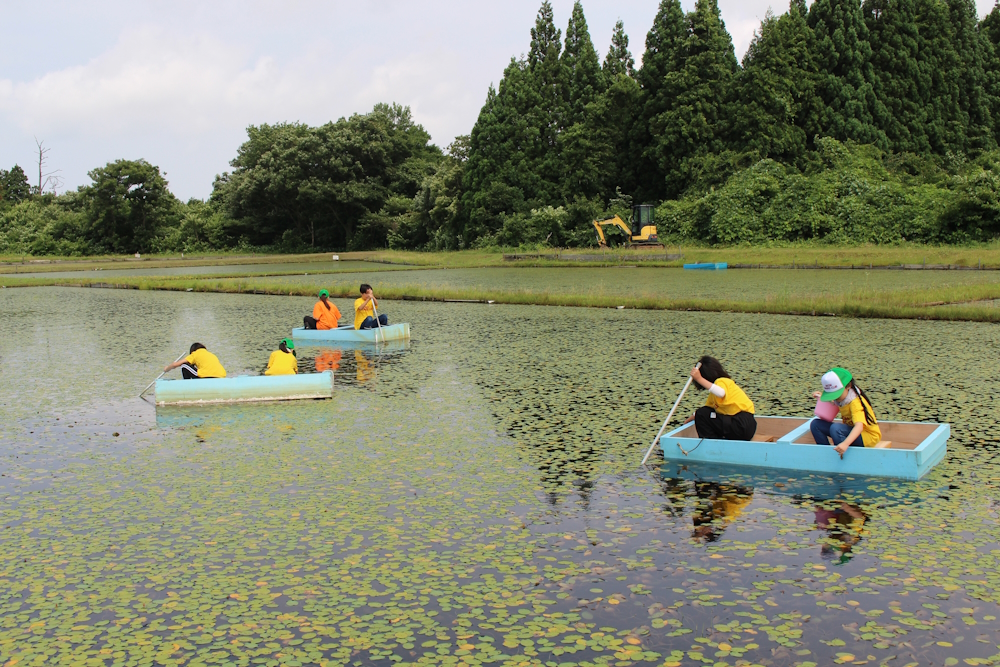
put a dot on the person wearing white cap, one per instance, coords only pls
(859, 427)
(728, 411)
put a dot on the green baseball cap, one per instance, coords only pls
(834, 383)
(288, 343)
(323, 293)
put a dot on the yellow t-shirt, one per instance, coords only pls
(734, 402)
(853, 413)
(207, 364)
(362, 310)
(282, 363)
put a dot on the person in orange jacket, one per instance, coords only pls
(325, 314)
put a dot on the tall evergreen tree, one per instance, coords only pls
(664, 54)
(694, 121)
(971, 78)
(14, 185)
(608, 124)
(583, 68)
(583, 155)
(619, 59)
(550, 81)
(502, 146)
(776, 88)
(901, 85)
(848, 108)
(989, 27)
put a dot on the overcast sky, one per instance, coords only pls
(177, 82)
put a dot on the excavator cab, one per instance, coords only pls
(640, 230)
(643, 225)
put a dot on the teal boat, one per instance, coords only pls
(349, 334)
(707, 266)
(244, 388)
(908, 450)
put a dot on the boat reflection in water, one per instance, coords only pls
(719, 507)
(837, 502)
(844, 525)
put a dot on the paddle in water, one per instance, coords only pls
(377, 322)
(160, 375)
(669, 417)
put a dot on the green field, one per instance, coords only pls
(483, 276)
(799, 254)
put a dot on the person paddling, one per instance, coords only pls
(364, 310)
(282, 361)
(728, 414)
(200, 363)
(325, 314)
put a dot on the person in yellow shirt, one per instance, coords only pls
(325, 314)
(282, 361)
(200, 363)
(859, 428)
(364, 310)
(728, 413)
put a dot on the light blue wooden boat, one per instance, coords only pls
(348, 333)
(908, 449)
(245, 388)
(707, 266)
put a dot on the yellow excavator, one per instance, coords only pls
(640, 230)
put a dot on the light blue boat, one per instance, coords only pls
(245, 388)
(908, 450)
(351, 335)
(707, 266)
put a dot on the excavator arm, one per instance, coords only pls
(616, 221)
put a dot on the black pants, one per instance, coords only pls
(309, 322)
(189, 372)
(717, 426)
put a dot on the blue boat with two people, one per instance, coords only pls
(348, 334)
(244, 388)
(908, 450)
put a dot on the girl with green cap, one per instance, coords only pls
(282, 360)
(859, 427)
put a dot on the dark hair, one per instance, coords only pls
(282, 346)
(365, 287)
(870, 418)
(196, 346)
(711, 369)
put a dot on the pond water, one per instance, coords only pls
(476, 496)
(226, 269)
(660, 282)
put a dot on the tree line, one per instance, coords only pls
(846, 121)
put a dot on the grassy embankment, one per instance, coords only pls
(799, 255)
(963, 302)
(960, 303)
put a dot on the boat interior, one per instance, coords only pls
(895, 435)
(769, 429)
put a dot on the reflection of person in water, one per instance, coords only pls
(366, 370)
(845, 525)
(328, 360)
(725, 505)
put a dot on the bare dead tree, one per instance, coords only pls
(50, 178)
